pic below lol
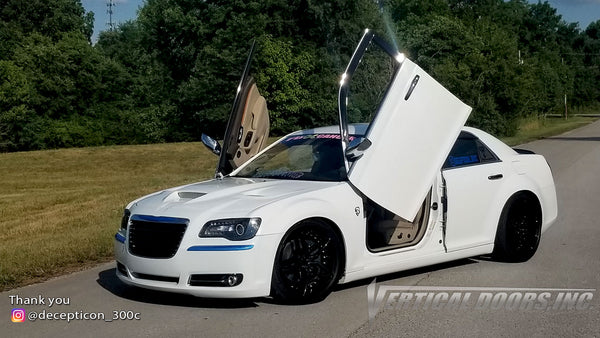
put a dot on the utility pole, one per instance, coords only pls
(110, 4)
(566, 112)
(562, 60)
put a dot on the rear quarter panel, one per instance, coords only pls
(537, 174)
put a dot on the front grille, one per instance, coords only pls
(155, 237)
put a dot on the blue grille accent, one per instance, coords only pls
(120, 237)
(220, 247)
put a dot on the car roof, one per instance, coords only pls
(360, 129)
(354, 129)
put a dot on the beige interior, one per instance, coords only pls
(387, 230)
(255, 127)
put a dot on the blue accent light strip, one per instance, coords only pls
(159, 219)
(220, 247)
(120, 237)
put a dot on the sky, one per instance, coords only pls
(581, 11)
(123, 11)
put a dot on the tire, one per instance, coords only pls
(307, 264)
(519, 229)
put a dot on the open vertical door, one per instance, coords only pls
(248, 126)
(409, 137)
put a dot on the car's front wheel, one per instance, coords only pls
(519, 229)
(308, 263)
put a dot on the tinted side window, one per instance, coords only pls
(485, 154)
(463, 152)
(469, 150)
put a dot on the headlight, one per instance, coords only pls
(234, 229)
(125, 219)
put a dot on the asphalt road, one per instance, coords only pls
(568, 258)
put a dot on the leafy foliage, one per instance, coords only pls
(172, 73)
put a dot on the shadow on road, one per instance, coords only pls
(109, 281)
(407, 273)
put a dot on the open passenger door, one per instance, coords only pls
(247, 128)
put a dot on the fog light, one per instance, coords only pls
(232, 280)
(222, 280)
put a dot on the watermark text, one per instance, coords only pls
(386, 297)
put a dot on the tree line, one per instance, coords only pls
(171, 73)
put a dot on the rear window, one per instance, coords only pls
(469, 150)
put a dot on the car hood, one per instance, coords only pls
(228, 197)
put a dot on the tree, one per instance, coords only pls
(51, 18)
(172, 73)
(15, 108)
(203, 45)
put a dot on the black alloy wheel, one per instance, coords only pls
(519, 229)
(307, 264)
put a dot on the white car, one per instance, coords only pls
(410, 188)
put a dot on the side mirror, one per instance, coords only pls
(356, 148)
(211, 144)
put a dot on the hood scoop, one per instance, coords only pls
(190, 195)
(183, 196)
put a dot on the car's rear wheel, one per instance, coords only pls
(519, 229)
(307, 264)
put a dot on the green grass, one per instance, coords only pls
(534, 128)
(60, 209)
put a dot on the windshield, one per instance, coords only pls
(314, 157)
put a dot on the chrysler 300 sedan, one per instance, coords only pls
(411, 186)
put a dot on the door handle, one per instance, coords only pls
(495, 177)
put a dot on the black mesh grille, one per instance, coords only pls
(155, 237)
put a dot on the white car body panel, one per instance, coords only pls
(419, 130)
(533, 174)
(470, 194)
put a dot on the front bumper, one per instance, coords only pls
(253, 259)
